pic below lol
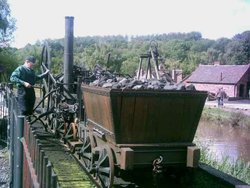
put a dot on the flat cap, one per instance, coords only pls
(31, 59)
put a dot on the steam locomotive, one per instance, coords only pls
(115, 129)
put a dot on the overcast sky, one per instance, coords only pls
(42, 19)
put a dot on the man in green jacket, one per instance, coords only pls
(24, 76)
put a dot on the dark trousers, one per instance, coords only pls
(26, 100)
(220, 101)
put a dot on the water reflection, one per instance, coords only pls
(224, 141)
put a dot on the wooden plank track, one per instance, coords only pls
(69, 172)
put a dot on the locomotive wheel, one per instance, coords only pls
(71, 131)
(74, 130)
(51, 118)
(86, 153)
(105, 168)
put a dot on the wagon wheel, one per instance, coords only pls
(86, 152)
(46, 64)
(45, 56)
(105, 167)
(59, 128)
(49, 105)
(55, 124)
(71, 131)
(45, 105)
(48, 88)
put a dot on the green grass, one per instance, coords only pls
(215, 114)
(221, 116)
(238, 168)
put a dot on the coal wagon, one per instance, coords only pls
(128, 129)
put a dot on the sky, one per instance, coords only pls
(45, 19)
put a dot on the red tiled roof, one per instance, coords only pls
(224, 74)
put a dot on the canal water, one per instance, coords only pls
(225, 141)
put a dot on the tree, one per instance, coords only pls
(7, 24)
(178, 51)
(8, 61)
(244, 39)
(7, 27)
(235, 53)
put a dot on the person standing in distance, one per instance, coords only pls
(25, 77)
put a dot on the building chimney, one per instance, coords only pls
(177, 75)
(216, 63)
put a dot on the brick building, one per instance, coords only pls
(235, 79)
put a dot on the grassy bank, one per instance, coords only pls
(237, 168)
(223, 116)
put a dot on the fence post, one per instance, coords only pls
(53, 180)
(40, 177)
(18, 153)
(11, 143)
(48, 174)
(45, 162)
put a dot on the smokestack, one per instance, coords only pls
(174, 77)
(68, 52)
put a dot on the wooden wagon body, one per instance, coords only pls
(144, 124)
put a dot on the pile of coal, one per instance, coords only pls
(106, 79)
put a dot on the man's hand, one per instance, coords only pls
(26, 84)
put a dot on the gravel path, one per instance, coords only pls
(4, 167)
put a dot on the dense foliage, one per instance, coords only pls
(7, 24)
(7, 27)
(178, 51)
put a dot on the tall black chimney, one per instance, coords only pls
(68, 52)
